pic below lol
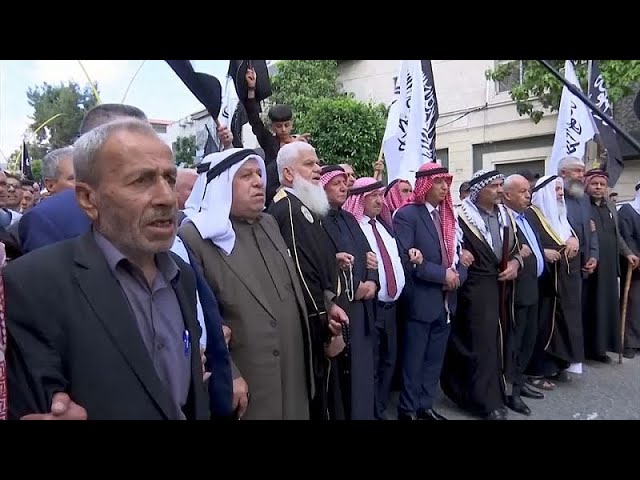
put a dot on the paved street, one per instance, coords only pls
(602, 392)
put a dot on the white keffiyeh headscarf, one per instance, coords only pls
(545, 199)
(636, 202)
(211, 214)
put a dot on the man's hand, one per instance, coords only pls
(336, 317)
(203, 358)
(453, 279)
(226, 331)
(590, 266)
(345, 260)
(62, 408)
(511, 272)
(335, 346)
(525, 251)
(378, 168)
(634, 261)
(240, 396)
(366, 291)
(573, 247)
(466, 258)
(552, 255)
(372, 261)
(250, 77)
(225, 136)
(415, 256)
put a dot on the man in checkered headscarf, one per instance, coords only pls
(394, 197)
(427, 223)
(366, 203)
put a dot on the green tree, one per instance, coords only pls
(70, 100)
(539, 84)
(36, 170)
(343, 130)
(184, 149)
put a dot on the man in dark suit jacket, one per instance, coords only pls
(116, 329)
(522, 338)
(433, 282)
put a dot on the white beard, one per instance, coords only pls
(575, 188)
(313, 196)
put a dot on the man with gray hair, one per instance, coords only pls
(299, 208)
(473, 372)
(117, 330)
(57, 170)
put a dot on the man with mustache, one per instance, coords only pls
(602, 308)
(300, 208)
(245, 261)
(117, 331)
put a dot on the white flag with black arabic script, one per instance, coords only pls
(409, 138)
(575, 125)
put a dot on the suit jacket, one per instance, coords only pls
(414, 228)
(76, 334)
(250, 317)
(526, 284)
(53, 220)
(579, 216)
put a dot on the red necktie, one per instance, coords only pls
(392, 286)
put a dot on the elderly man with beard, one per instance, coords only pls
(300, 208)
(560, 341)
(245, 261)
(359, 284)
(629, 216)
(117, 329)
(602, 308)
(474, 366)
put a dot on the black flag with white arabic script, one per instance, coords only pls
(599, 96)
(431, 106)
(26, 163)
(206, 88)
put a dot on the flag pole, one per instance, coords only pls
(594, 109)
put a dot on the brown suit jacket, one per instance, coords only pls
(250, 317)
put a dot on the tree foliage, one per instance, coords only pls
(184, 149)
(540, 84)
(70, 100)
(36, 170)
(343, 130)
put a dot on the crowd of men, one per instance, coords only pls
(267, 285)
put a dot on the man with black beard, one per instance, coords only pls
(299, 208)
(571, 170)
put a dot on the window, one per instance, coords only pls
(160, 128)
(442, 156)
(515, 78)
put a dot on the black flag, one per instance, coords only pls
(609, 139)
(26, 163)
(431, 108)
(239, 119)
(210, 146)
(206, 88)
(238, 71)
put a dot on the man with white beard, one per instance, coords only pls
(299, 208)
(560, 336)
(571, 170)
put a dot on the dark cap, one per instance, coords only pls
(465, 187)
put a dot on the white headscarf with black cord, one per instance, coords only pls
(209, 205)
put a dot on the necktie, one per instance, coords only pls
(438, 224)
(392, 286)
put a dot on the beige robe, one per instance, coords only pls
(261, 302)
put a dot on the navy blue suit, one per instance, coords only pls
(52, 220)
(427, 330)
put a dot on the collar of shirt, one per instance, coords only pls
(431, 208)
(166, 265)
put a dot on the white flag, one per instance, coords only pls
(407, 141)
(229, 103)
(575, 125)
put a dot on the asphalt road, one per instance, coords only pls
(602, 392)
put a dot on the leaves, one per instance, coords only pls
(184, 149)
(69, 100)
(539, 84)
(343, 130)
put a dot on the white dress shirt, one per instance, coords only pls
(394, 254)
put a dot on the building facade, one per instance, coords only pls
(478, 125)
